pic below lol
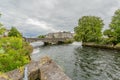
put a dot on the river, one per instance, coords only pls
(83, 63)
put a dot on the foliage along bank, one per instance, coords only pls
(89, 30)
(14, 51)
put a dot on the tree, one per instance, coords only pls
(41, 36)
(2, 29)
(14, 33)
(114, 31)
(89, 29)
(108, 33)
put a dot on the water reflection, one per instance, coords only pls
(96, 64)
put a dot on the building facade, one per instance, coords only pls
(60, 35)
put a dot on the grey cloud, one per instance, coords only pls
(56, 14)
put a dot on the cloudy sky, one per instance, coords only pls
(34, 17)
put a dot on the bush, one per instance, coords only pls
(14, 53)
(108, 41)
(117, 45)
(68, 41)
(41, 36)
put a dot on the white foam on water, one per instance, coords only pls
(77, 43)
(25, 73)
(36, 44)
(35, 51)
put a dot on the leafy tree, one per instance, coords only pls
(89, 29)
(114, 31)
(41, 36)
(14, 51)
(108, 33)
(2, 29)
(14, 33)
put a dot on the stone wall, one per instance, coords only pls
(101, 46)
(45, 69)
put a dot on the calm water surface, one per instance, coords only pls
(83, 63)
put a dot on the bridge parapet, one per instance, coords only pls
(49, 40)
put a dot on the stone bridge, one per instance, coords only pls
(47, 40)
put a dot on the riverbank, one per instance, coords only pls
(44, 69)
(82, 62)
(116, 47)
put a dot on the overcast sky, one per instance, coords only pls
(35, 17)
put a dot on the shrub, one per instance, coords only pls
(14, 53)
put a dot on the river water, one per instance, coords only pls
(83, 63)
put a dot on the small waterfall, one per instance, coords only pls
(36, 44)
(25, 73)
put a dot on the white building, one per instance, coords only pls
(60, 35)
